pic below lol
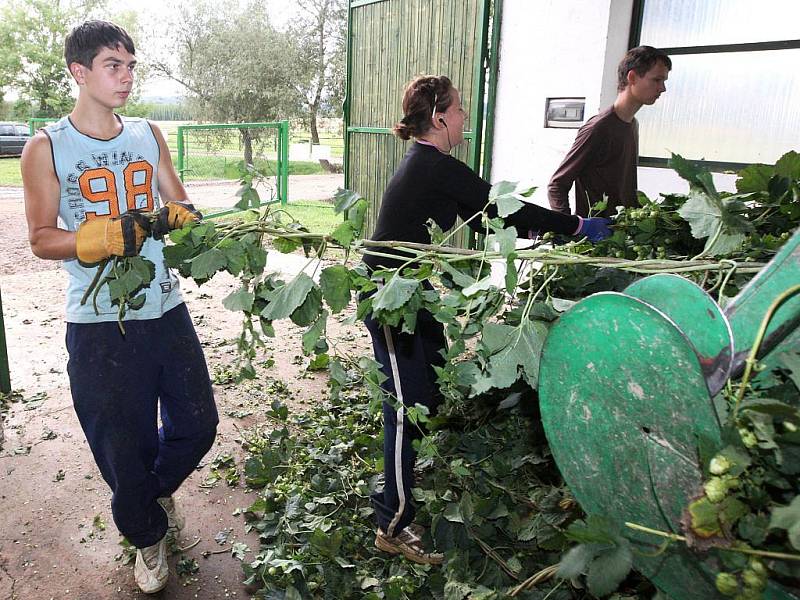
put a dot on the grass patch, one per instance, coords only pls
(227, 167)
(319, 217)
(9, 171)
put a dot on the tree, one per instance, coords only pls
(319, 31)
(32, 36)
(235, 65)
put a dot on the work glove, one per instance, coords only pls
(174, 215)
(102, 237)
(595, 229)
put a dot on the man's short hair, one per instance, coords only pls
(87, 39)
(640, 59)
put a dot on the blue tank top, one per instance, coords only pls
(110, 177)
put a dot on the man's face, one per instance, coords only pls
(651, 85)
(110, 79)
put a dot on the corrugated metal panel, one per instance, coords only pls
(391, 42)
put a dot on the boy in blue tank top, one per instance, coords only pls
(83, 176)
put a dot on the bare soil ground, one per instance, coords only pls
(57, 537)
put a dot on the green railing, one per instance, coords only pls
(35, 123)
(213, 151)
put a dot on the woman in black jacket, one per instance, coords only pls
(430, 184)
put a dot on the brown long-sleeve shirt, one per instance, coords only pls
(602, 160)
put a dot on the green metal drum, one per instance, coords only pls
(698, 316)
(624, 404)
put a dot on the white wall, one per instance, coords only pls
(552, 48)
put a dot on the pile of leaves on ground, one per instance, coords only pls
(488, 493)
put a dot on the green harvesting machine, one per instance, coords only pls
(630, 386)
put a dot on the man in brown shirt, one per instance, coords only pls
(603, 159)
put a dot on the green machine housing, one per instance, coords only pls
(629, 386)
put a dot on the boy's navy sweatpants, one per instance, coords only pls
(407, 361)
(116, 383)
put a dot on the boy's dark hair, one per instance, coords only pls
(640, 59)
(421, 96)
(87, 39)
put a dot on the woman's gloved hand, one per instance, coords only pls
(595, 229)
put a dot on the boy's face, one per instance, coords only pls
(651, 85)
(110, 79)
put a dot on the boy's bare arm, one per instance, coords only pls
(42, 197)
(170, 187)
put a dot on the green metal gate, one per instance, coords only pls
(390, 42)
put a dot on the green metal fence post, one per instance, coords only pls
(284, 170)
(5, 373)
(180, 152)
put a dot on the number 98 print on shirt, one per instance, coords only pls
(108, 178)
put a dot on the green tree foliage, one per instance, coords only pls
(32, 40)
(235, 66)
(32, 34)
(319, 32)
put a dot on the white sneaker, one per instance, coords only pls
(151, 570)
(175, 520)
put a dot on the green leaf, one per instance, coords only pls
(287, 298)
(511, 278)
(609, 569)
(137, 302)
(502, 188)
(506, 239)
(452, 513)
(249, 198)
(308, 311)
(754, 178)
(788, 518)
(706, 215)
(208, 263)
(702, 213)
(508, 205)
(697, 175)
(315, 332)
(335, 284)
(240, 300)
(395, 293)
(477, 287)
(788, 165)
(345, 199)
(344, 234)
(319, 363)
(286, 245)
(460, 278)
(521, 350)
(457, 590)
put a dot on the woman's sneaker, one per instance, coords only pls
(408, 543)
(151, 570)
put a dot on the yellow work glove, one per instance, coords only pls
(102, 237)
(174, 215)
